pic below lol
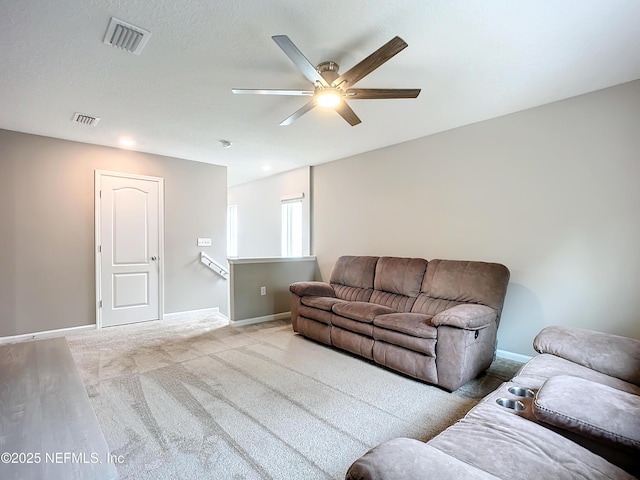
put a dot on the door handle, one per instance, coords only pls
(154, 258)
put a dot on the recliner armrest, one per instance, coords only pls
(468, 317)
(319, 289)
(406, 458)
(603, 352)
(590, 409)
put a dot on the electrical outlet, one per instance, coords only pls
(204, 242)
(263, 290)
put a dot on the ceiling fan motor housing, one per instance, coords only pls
(329, 71)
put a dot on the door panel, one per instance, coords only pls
(130, 239)
(130, 290)
(130, 226)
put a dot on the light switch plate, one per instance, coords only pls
(204, 242)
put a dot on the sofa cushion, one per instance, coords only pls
(315, 314)
(414, 324)
(352, 294)
(354, 271)
(402, 276)
(468, 282)
(495, 440)
(397, 282)
(603, 352)
(432, 306)
(352, 277)
(352, 325)
(361, 311)
(322, 303)
(400, 303)
(590, 409)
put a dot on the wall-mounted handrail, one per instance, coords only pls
(213, 265)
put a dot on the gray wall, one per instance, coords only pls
(247, 276)
(260, 212)
(47, 272)
(552, 192)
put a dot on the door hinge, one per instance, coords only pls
(99, 248)
(100, 304)
(100, 194)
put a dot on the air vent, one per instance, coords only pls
(126, 36)
(85, 119)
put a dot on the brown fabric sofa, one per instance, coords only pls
(435, 321)
(578, 416)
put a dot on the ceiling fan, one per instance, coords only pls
(330, 88)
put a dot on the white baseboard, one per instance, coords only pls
(60, 332)
(190, 313)
(518, 357)
(266, 318)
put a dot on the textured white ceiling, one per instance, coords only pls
(472, 59)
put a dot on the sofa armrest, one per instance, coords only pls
(468, 317)
(603, 352)
(319, 289)
(406, 458)
(590, 409)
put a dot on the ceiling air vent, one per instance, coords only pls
(85, 119)
(126, 36)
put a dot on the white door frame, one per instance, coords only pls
(98, 238)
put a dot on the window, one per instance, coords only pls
(232, 231)
(292, 226)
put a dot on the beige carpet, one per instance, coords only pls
(196, 398)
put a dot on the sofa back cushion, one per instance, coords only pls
(432, 306)
(352, 277)
(459, 281)
(398, 281)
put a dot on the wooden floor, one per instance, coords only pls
(48, 429)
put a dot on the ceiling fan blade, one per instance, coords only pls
(369, 93)
(349, 115)
(296, 56)
(273, 92)
(298, 113)
(373, 61)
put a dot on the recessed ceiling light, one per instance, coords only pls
(126, 142)
(266, 168)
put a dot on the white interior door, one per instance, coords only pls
(128, 233)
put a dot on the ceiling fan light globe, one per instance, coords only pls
(328, 98)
